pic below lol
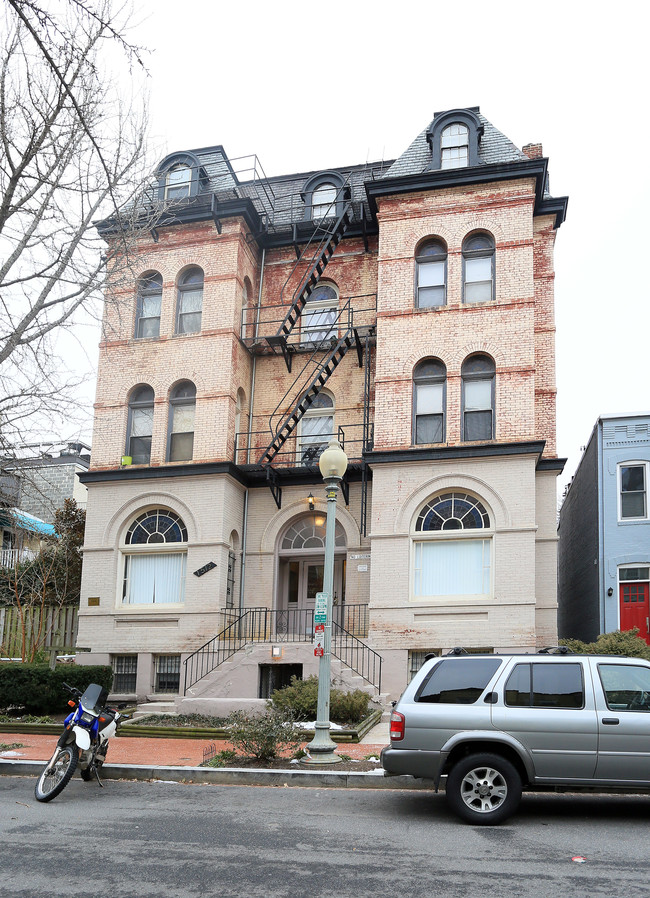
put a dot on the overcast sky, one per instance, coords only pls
(308, 86)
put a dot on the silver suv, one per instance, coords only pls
(497, 724)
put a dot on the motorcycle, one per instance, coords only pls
(83, 742)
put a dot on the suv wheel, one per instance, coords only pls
(483, 789)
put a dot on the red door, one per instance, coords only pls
(635, 608)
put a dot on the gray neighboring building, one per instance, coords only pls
(604, 533)
(47, 479)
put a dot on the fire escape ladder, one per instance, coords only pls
(323, 372)
(313, 258)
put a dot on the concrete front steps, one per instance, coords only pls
(235, 683)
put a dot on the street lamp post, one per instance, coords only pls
(333, 464)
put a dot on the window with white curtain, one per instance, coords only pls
(155, 559)
(449, 557)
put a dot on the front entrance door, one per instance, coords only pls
(635, 608)
(303, 580)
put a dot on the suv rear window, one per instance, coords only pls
(545, 686)
(458, 681)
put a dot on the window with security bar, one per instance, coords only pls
(125, 669)
(168, 674)
(416, 660)
(230, 581)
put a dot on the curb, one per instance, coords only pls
(237, 776)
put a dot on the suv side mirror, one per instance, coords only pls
(491, 698)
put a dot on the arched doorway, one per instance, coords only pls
(301, 565)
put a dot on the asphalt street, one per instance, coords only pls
(168, 840)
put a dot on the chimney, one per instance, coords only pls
(533, 150)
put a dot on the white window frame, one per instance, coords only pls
(159, 549)
(635, 463)
(181, 188)
(303, 440)
(326, 207)
(475, 534)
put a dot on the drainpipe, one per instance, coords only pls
(242, 576)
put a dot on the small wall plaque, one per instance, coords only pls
(93, 600)
(204, 570)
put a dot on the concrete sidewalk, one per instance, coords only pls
(178, 760)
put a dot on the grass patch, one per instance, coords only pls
(6, 746)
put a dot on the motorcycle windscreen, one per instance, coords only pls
(95, 697)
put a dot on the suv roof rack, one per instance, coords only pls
(556, 650)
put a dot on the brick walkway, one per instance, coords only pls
(160, 752)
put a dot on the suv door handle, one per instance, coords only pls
(610, 721)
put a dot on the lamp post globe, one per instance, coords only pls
(333, 464)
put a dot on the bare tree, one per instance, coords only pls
(72, 151)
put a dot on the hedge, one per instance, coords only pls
(38, 689)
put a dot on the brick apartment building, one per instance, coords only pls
(406, 307)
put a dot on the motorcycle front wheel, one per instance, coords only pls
(51, 783)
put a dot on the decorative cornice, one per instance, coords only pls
(479, 174)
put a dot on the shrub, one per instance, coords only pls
(224, 758)
(618, 642)
(300, 698)
(263, 736)
(39, 690)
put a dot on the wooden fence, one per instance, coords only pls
(59, 629)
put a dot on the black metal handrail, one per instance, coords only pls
(285, 625)
(356, 655)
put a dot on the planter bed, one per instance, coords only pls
(349, 735)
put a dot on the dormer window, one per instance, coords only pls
(454, 146)
(454, 138)
(181, 176)
(177, 182)
(323, 201)
(324, 196)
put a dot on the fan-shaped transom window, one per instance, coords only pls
(309, 533)
(157, 526)
(452, 511)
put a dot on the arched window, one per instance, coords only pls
(155, 559)
(431, 274)
(241, 427)
(454, 146)
(308, 533)
(323, 201)
(448, 557)
(246, 311)
(429, 397)
(177, 182)
(316, 429)
(478, 375)
(190, 302)
(320, 314)
(182, 404)
(140, 425)
(478, 268)
(149, 301)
